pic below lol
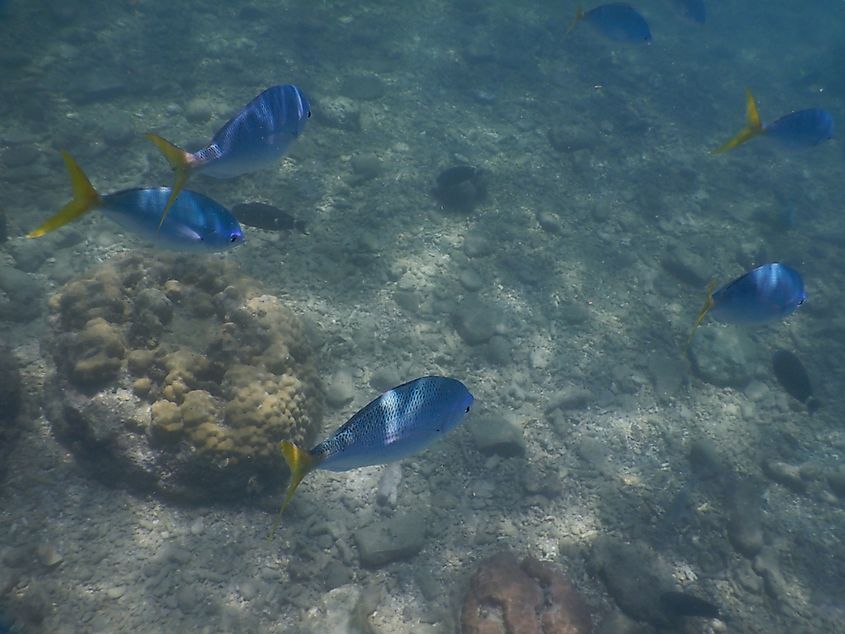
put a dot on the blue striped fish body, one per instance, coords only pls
(258, 135)
(195, 223)
(198, 223)
(801, 129)
(768, 292)
(400, 422)
(617, 21)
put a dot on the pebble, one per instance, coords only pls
(198, 110)
(385, 378)
(340, 113)
(786, 474)
(497, 435)
(366, 167)
(197, 526)
(396, 539)
(570, 397)
(48, 555)
(549, 222)
(248, 590)
(477, 246)
(745, 528)
(471, 280)
(340, 390)
(477, 321)
(722, 356)
(115, 592)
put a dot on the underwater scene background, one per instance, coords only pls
(479, 194)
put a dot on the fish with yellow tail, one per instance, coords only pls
(796, 130)
(257, 136)
(399, 423)
(197, 223)
(763, 294)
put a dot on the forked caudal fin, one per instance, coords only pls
(85, 198)
(708, 304)
(753, 126)
(300, 462)
(180, 161)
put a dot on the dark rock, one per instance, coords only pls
(365, 167)
(21, 295)
(10, 402)
(4, 229)
(477, 321)
(745, 525)
(793, 377)
(836, 480)
(477, 245)
(685, 266)
(786, 474)
(509, 597)
(396, 539)
(461, 188)
(266, 216)
(635, 576)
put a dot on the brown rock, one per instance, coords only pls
(532, 597)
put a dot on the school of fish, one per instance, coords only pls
(409, 417)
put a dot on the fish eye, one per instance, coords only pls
(308, 116)
(234, 238)
(467, 410)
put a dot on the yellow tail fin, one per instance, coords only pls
(180, 161)
(85, 198)
(753, 126)
(300, 462)
(708, 304)
(579, 15)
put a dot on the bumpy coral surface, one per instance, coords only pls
(179, 374)
(531, 597)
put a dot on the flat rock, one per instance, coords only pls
(498, 435)
(722, 355)
(477, 321)
(396, 539)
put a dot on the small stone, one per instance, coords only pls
(198, 110)
(341, 389)
(248, 590)
(836, 481)
(571, 397)
(471, 280)
(340, 113)
(498, 435)
(385, 378)
(336, 574)
(745, 528)
(48, 556)
(115, 592)
(786, 474)
(549, 221)
(477, 321)
(197, 526)
(722, 356)
(365, 167)
(477, 246)
(396, 539)
(363, 87)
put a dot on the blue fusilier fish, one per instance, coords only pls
(692, 9)
(400, 422)
(796, 130)
(197, 223)
(257, 136)
(617, 21)
(771, 291)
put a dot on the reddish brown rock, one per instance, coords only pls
(532, 597)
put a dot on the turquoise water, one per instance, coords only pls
(562, 298)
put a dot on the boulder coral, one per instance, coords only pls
(180, 375)
(507, 596)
